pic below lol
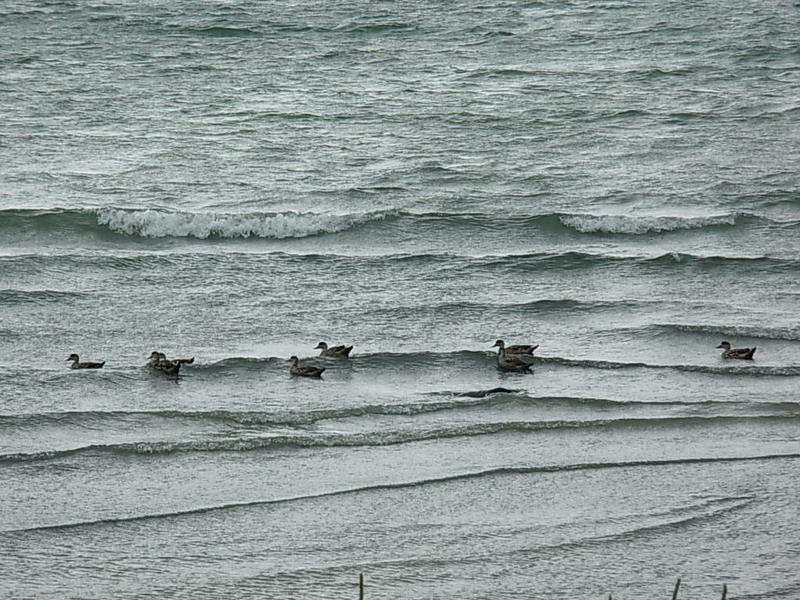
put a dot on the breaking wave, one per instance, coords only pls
(164, 223)
(161, 223)
(639, 225)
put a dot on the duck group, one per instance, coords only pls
(515, 358)
(310, 370)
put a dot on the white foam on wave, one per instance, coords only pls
(161, 223)
(639, 225)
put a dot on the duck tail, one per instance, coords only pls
(752, 351)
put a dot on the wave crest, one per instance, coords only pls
(161, 223)
(631, 225)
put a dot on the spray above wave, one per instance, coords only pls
(161, 223)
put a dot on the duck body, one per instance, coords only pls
(516, 348)
(304, 370)
(740, 353)
(505, 362)
(333, 350)
(76, 364)
(159, 362)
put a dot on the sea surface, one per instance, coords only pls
(617, 181)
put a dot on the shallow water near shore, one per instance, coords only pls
(616, 182)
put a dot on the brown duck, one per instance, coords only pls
(511, 363)
(516, 348)
(159, 362)
(743, 353)
(333, 350)
(304, 370)
(76, 364)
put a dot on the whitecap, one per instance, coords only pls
(638, 225)
(162, 223)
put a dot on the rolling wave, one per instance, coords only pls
(14, 296)
(446, 402)
(220, 31)
(384, 360)
(374, 438)
(451, 401)
(512, 263)
(412, 362)
(159, 223)
(500, 471)
(723, 331)
(750, 370)
(587, 223)
(163, 223)
(536, 307)
(631, 225)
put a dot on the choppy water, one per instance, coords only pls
(236, 181)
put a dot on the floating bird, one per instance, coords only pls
(511, 363)
(159, 362)
(304, 370)
(517, 348)
(333, 351)
(76, 364)
(743, 353)
(155, 357)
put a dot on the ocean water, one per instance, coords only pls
(616, 181)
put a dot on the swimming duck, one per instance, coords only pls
(159, 362)
(170, 367)
(155, 357)
(743, 353)
(516, 348)
(304, 370)
(511, 363)
(334, 350)
(76, 364)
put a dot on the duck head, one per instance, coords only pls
(72, 358)
(726, 345)
(499, 344)
(321, 346)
